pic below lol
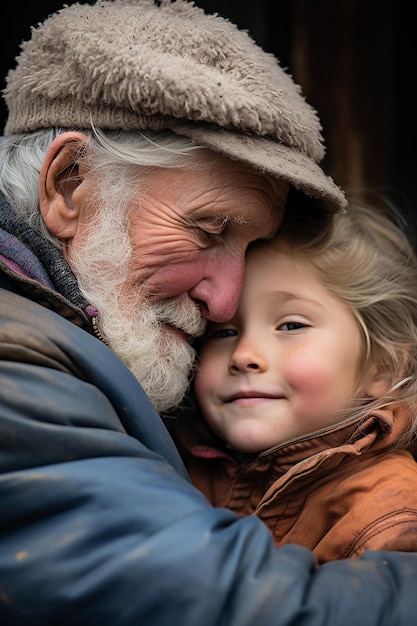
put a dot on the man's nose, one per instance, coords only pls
(218, 295)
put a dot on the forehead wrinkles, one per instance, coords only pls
(245, 192)
(227, 190)
(246, 180)
(269, 199)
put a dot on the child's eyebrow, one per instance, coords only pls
(289, 297)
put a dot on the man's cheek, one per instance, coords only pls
(176, 279)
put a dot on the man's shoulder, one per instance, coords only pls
(21, 318)
(32, 334)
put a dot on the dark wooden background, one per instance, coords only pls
(355, 60)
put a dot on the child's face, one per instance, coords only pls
(285, 364)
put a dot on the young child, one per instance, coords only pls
(309, 393)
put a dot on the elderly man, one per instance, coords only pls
(147, 145)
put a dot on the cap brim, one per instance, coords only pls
(270, 157)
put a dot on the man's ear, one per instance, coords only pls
(59, 179)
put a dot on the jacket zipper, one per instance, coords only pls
(97, 331)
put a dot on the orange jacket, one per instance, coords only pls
(339, 492)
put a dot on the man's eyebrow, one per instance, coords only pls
(243, 221)
(236, 219)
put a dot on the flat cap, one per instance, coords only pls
(140, 64)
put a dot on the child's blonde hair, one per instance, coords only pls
(366, 260)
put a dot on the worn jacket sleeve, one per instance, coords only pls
(100, 525)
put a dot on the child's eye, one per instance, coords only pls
(292, 326)
(221, 333)
(224, 332)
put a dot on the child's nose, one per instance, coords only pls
(247, 359)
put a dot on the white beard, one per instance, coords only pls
(161, 361)
(134, 329)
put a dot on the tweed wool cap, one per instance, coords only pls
(140, 64)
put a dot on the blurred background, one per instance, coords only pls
(355, 62)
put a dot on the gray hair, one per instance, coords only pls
(22, 156)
